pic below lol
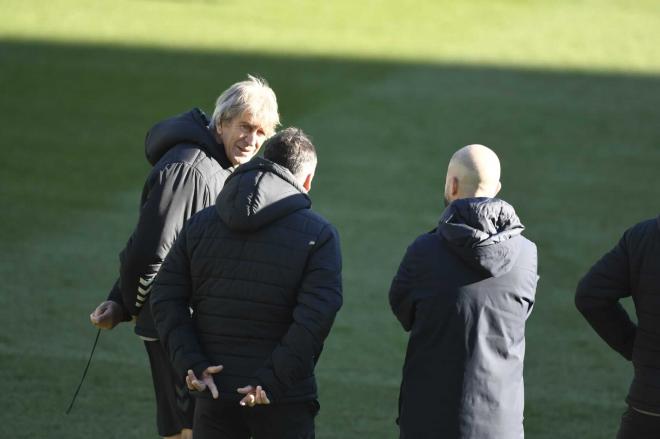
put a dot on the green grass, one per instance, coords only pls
(565, 92)
(585, 34)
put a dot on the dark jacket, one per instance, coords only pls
(464, 291)
(261, 273)
(630, 268)
(189, 169)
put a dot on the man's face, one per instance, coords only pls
(242, 137)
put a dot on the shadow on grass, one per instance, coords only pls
(579, 152)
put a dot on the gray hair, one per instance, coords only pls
(252, 95)
(293, 149)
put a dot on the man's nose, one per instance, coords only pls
(251, 137)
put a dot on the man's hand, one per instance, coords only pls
(205, 382)
(107, 315)
(253, 396)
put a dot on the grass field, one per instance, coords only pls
(566, 92)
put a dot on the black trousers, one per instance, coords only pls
(217, 419)
(636, 425)
(174, 405)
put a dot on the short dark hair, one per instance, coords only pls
(292, 149)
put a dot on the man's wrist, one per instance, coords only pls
(268, 381)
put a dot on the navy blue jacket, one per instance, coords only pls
(464, 291)
(631, 268)
(261, 273)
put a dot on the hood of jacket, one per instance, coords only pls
(190, 128)
(479, 230)
(258, 193)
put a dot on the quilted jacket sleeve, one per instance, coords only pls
(319, 298)
(170, 308)
(170, 196)
(597, 298)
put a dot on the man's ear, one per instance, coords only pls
(307, 184)
(454, 187)
(499, 186)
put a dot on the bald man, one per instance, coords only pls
(464, 291)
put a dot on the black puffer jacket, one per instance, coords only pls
(632, 268)
(189, 169)
(465, 291)
(262, 274)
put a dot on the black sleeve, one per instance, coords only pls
(169, 301)
(170, 197)
(115, 296)
(319, 298)
(597, 298)
(402, 300)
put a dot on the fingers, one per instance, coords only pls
(245, 390)
(253, 396)
(208, 379)
(261, 394)
(103, 315)
(102, 309)
(95, 316)
(195, 384)
(213, 369)
(99, 309)
(189, 380)
(249, 400)
(100, 322)
(213, 388)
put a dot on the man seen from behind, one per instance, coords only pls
(630, 269)
(464, 291)
(247, 296)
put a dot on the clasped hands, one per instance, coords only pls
(253, 395)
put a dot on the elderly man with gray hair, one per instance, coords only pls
(191, 157)
(464, 291)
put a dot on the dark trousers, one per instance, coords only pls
(174, 405)
(636, 425)
(216, 419)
